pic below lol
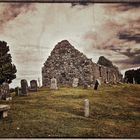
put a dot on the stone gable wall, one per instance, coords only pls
(66, 63)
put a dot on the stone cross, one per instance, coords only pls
(86, 107)
(75, 82)
(4, 91)
(24, 87)
(33, 85)
(53, 83)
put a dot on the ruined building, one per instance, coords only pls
(66, 63)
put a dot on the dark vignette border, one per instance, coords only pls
(72, 1)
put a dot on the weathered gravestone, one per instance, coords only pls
(4, 91)
(33, 85)
(134, 82)
(75, 82)
(86, 107)
(97, 83)
(24, 87)
(53, 83)
(114, 79)
(85, 85)
(17, 91)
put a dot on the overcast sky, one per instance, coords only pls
(32, 30)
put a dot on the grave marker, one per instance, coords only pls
(86, 107)
(33, 85)
(97, 83)
(53, 83)
(24, 87)
(75, 82)
(39, 83)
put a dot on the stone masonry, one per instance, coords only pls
(66, 63)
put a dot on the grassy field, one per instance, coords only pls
(114, 112)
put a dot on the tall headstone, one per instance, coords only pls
(4, 91)
(97, 83)
(33, 85)
(134, 81)
(86, 107)
(24, 87)
(75, 82)
(53, 83)
(39, 83)
(114, 78)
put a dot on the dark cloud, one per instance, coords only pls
(129, 36)
(129, 52)
(136, 59)
(113, 48)
(130, 61)
(13, 10)
(128, 6)
(121, 37)
(131, 33)
(125, 6)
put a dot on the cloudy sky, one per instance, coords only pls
(33, 29)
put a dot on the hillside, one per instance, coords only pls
(114, 112)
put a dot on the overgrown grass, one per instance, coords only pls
(114, 112)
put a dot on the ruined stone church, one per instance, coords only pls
(66, 63)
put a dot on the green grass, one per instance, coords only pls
(114, 112)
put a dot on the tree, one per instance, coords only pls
(7, 69)
(131, 75)
(137, 76)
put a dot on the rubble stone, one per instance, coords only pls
(65, 63)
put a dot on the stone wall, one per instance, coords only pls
(66, 63)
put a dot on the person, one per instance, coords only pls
(96, 84)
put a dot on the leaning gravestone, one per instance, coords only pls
(4, 91)
(75, 82)
(33, 85)
(53, 83)
(24, 87)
